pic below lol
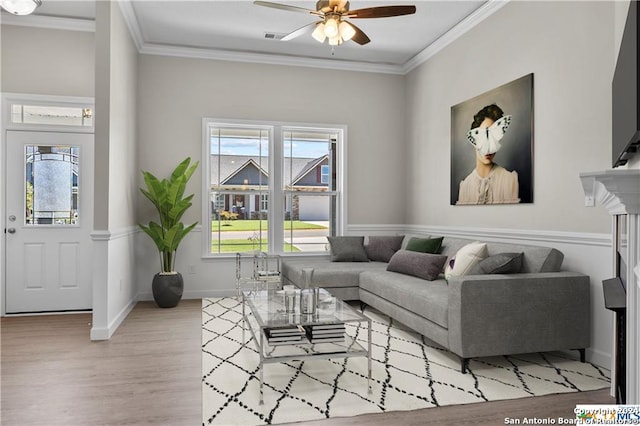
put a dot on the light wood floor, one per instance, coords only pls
(150, 373)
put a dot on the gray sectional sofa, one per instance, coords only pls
(539, 309)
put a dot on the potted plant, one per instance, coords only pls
(167, 195)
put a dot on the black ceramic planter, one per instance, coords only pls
(167, 289)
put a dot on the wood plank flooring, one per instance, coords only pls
(150, 373)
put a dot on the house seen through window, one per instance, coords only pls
(273, 188)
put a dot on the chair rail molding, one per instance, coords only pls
(618, 191)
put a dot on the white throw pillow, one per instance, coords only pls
(466, 258)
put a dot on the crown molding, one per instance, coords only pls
(479, 15)
(49, 22)
(264, 58)
(131, 21)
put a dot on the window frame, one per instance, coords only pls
(276, 192)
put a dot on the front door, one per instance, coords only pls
(49, 187)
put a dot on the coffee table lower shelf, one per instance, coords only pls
(303, 350)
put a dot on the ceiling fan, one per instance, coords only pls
(333, 24)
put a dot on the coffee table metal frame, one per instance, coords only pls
(264, 272)
(266, 309)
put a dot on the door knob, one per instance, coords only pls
(11, 230)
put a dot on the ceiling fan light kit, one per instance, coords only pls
(20, 7)
(334, 25)
(319, 33)
(346, 31)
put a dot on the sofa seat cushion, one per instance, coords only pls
(326, 273)
(428, 299)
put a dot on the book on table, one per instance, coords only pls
(332, 339)
(294, 334)
(293, 330)
(325, 333)
(333, 326)
(285, 335)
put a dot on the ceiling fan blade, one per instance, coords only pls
(360, 37)
(286, 7)
(302, 30)
(381, 12)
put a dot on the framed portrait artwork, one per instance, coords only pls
(492, 146)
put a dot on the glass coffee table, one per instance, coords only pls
(282, 336)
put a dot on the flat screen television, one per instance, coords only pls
(626, 114)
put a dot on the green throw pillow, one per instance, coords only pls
(425, 245)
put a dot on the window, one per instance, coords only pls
(324, 174)
(51, 185)
(271, 187)
(49, 114)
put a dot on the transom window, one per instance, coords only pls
(52, 115)
(271, 187)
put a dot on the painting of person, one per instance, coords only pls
(488, 183)
(492, 146)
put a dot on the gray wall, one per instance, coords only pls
(47, 62)
(569, 46)
(176, 93)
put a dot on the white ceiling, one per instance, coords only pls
(236, 30)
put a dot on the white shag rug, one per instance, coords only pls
(408, 373)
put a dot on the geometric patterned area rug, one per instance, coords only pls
(408, 373)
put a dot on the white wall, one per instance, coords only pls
(115, 289)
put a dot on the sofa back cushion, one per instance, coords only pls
(535, 258)
(502, 263)
(347, 249)
(382, 248)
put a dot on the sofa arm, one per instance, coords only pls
(520, 313)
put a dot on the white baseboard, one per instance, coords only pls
(197, 294)
(599, 358)
(105, 333)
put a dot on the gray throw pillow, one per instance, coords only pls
(347, 249)
(422, 265)
(380, 249)
(501, 263)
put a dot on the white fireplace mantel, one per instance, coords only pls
(618, 190)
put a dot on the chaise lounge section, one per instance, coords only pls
(539, 309)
